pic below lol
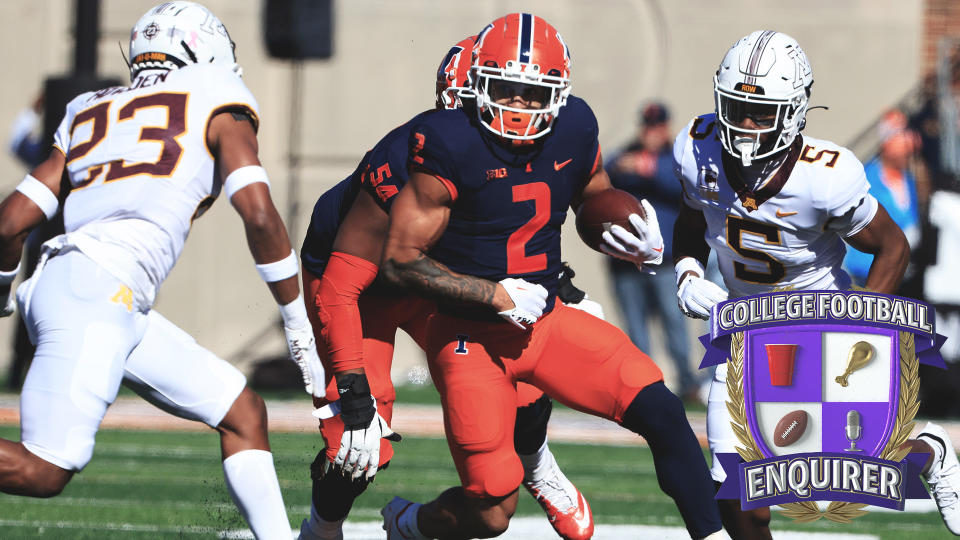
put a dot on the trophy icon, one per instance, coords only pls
(860, 355)
(853, 430)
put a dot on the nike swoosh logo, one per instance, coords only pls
(583, 519)
(781, 213)
(658, 250)
(558, 166)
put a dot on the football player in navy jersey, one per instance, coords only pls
(477, 229)
(357, 318)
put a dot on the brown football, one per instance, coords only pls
(790, 428)
(601, 210)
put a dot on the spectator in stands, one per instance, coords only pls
(645, 169)
(894, 185)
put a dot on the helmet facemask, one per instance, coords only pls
(773, 122)
(493, 83)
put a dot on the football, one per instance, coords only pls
(790, 428)
(601, 210)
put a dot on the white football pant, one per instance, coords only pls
(89, 338)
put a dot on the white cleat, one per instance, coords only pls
(944, 476)
(565, 506)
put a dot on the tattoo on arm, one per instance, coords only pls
(429, 278)
(241, 117)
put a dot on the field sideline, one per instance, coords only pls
(168, 484)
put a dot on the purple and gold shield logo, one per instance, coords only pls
(822, 391)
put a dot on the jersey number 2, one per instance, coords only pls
(518, 262)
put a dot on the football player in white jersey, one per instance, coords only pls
(777, 208)
(143, 161)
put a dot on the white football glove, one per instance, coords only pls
(697, 296)
(360, 448)
(591, 307)
(644, 247)
(528, 301)
(303, 351)
(7, 303)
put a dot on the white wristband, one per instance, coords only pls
(243, 177)
(282, 269)
(295, 314)
(40, 194)
(688, 264)
(7, 277)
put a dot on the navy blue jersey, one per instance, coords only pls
(509, 204)
(382, 173)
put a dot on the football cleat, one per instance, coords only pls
(944, 476)
(565, 506)
(392, 513)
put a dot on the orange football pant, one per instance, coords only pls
(585, 363)
(380, 316)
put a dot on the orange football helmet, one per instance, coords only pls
(452, 75)
(520, 54)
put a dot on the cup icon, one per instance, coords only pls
(780, 358)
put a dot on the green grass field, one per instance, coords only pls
(169, 485)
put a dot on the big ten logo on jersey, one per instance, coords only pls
(493, 174)
(376, 178)
(707, 183)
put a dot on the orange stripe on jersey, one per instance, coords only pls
(596, 161)
(449, 185)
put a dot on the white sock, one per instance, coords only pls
(535, 464)
(322, 528)
(407, 522)
(253, 485)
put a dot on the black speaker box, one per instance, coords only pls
(298, 29)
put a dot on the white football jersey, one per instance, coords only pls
(786, 233)
(140, 169)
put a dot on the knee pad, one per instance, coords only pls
(530, 430)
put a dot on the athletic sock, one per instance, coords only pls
(407, 522)
(252, 482)
(323, 529)
(536, 463)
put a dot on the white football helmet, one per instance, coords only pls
(174, 34)
(764, 82)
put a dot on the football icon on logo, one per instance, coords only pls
(790, 428)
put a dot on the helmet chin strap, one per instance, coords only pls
(747, 146)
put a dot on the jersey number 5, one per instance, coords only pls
(518, 262)
(176, 124)
(736, 228)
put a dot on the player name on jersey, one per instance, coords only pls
(863, 307)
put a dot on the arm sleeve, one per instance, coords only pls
(343, 281)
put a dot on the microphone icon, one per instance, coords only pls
(853, 430)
